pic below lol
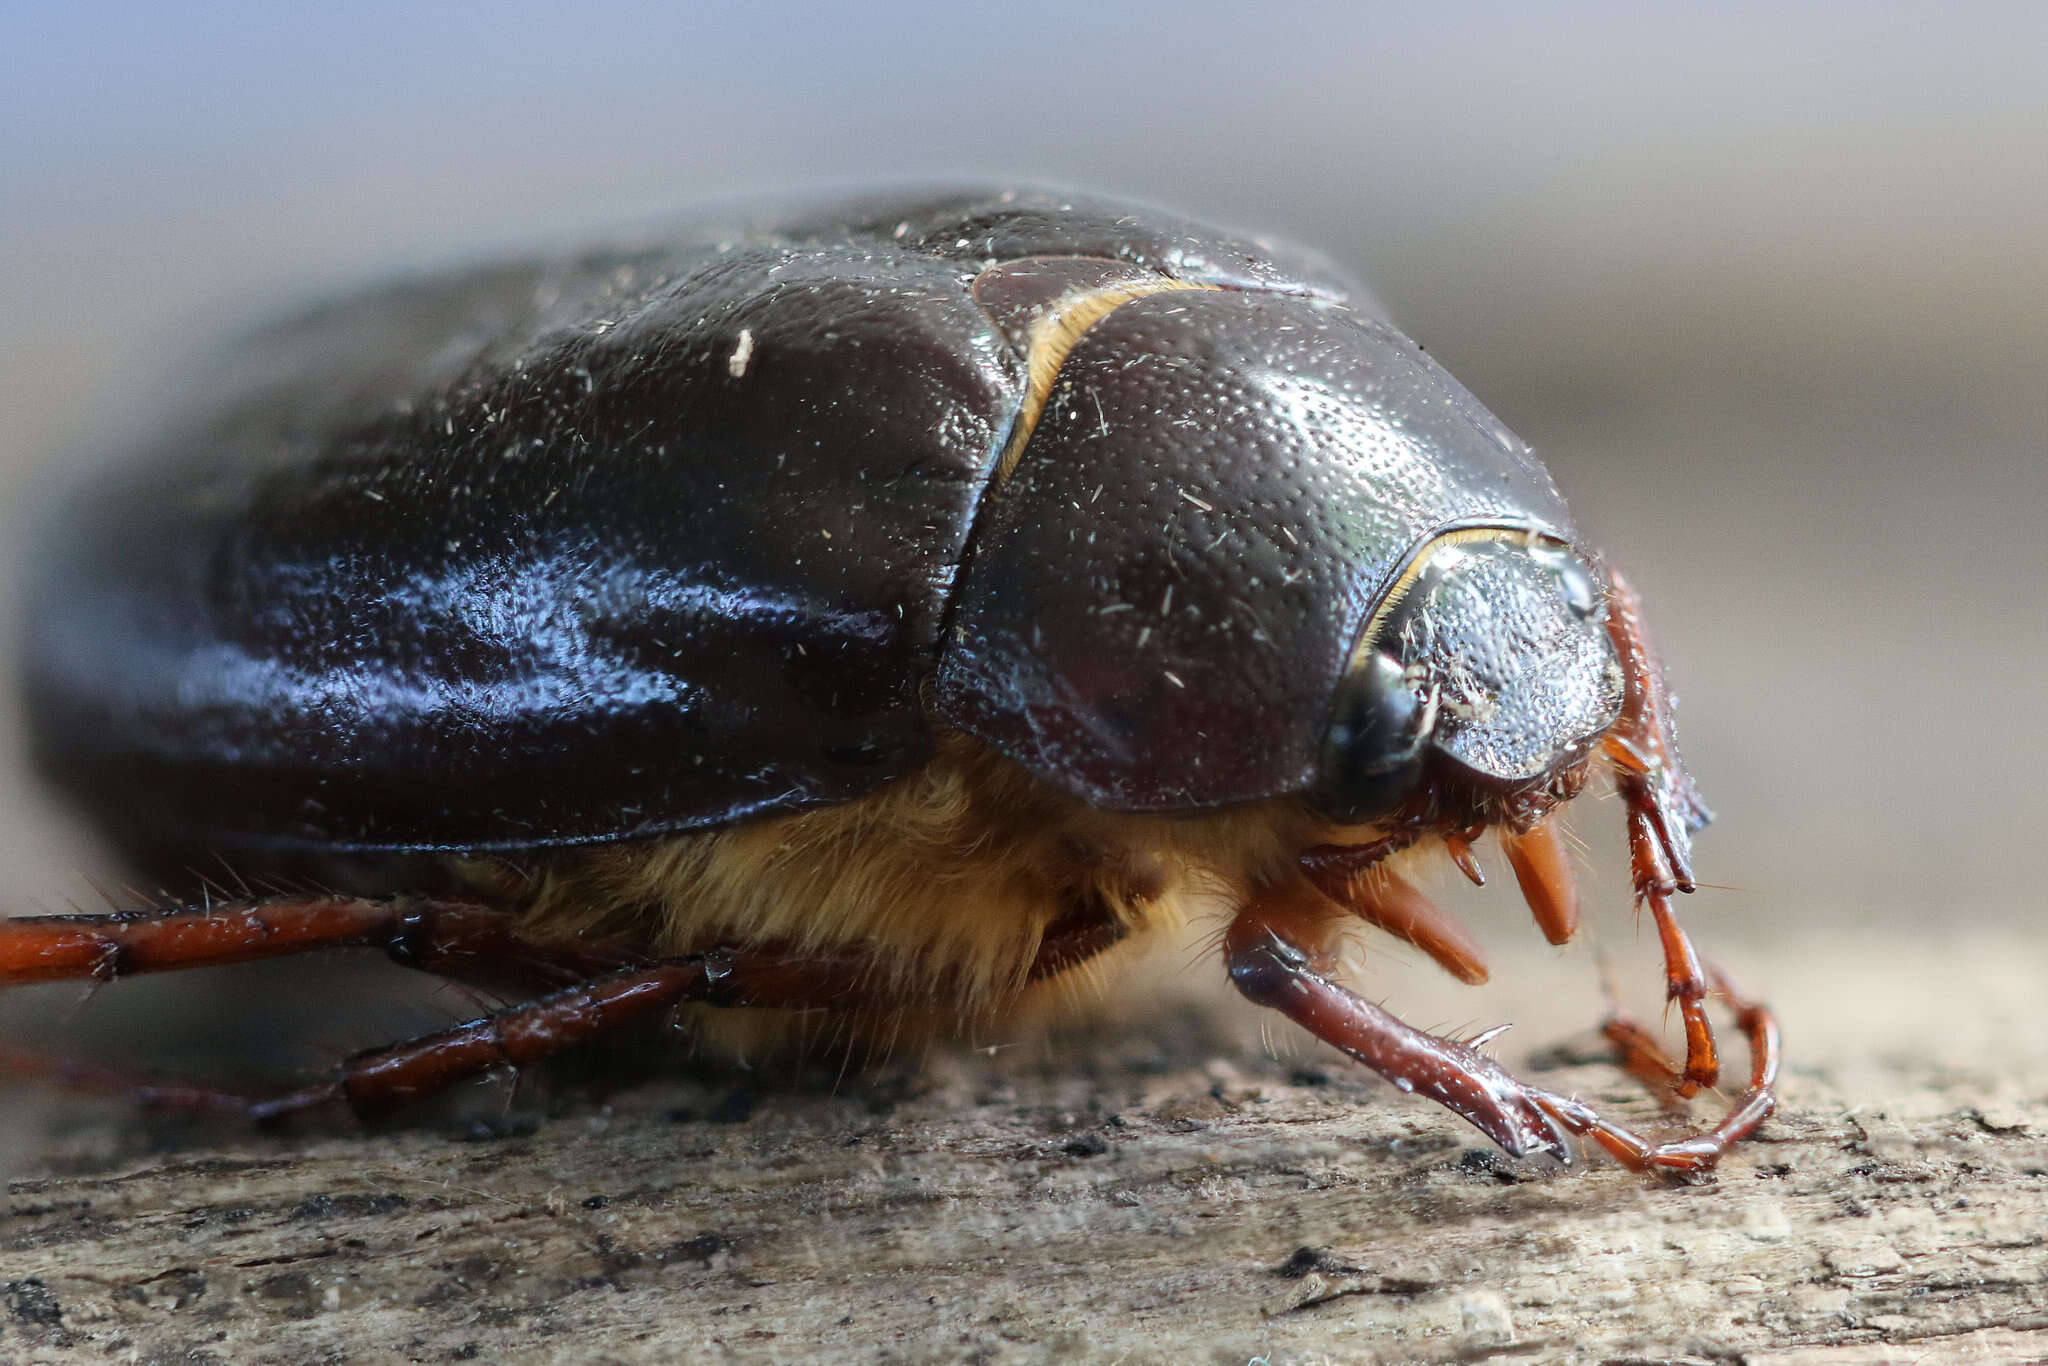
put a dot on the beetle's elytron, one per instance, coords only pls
(884, 611)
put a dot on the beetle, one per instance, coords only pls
(888, 609)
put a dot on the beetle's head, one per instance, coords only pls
(1487, 666)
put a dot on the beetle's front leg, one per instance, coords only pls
(1699, 1153)
(1279, 951)
(1663, 810)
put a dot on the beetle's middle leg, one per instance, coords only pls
(458, 939)
(466, 942)
(381, 1080)
(761, 977)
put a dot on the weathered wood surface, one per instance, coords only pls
(1169, 1192)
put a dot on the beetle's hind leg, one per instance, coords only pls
(464, 940)
(376, 1081)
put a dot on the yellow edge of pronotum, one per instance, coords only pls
(1369, 637)
(1055, 333)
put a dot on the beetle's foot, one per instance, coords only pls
(1696, 1154)
(152, 1092)
(1685, 977)
(1638, 1052)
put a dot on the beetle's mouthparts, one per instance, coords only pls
(1545, 874)
(1382, 897)
(1355, 877)
(1304, 916)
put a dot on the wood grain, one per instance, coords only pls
(1165, 1190)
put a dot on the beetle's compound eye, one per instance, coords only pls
(1378, 737)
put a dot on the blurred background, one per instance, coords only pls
(1765, 285)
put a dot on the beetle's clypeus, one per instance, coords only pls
(885, 609)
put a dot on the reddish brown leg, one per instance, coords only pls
(148, 1092)
(381, 1080)
(463, 941)
(1279, 953)
(1663, 810)
(378, 1081)
(1640, 1055)
(467, 941)
(1685, 979)
(386, 1079)
(1084, 931)
(1699, 1153)
(1640, 745)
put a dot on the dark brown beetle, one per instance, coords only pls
(883, 611)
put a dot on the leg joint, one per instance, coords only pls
(1267, 970)
(409, 942)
